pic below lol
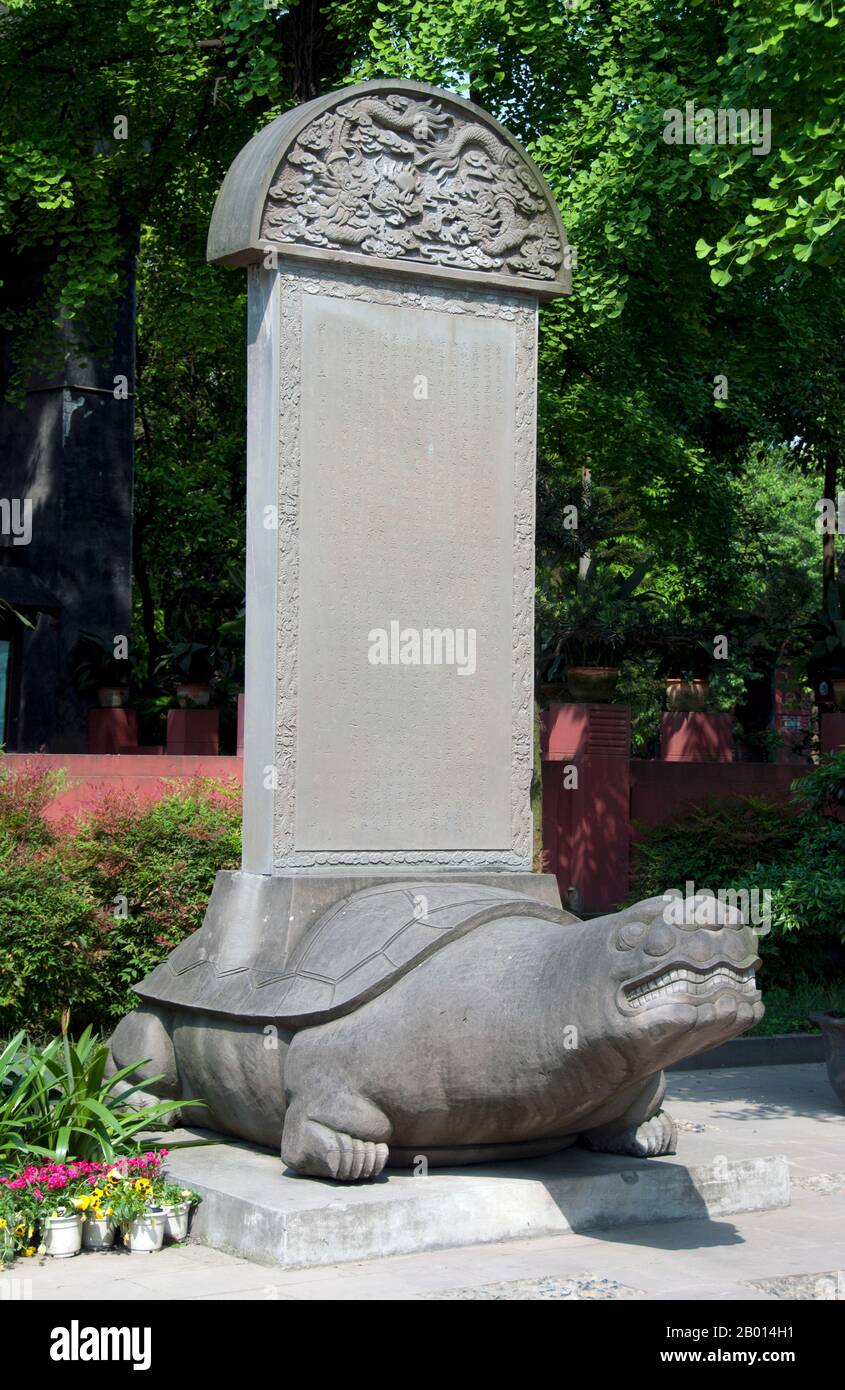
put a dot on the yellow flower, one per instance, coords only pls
(142, 1185)
(99, 1214)
(81, 1203)
(20, 1229)
(96, 1195)
(29, 1252)
(2, 1224)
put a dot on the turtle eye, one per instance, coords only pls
(660, 940)
(630, 936)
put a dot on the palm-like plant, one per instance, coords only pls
(15, 1101)
(59, 1104)
(595, 621)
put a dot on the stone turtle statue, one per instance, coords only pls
(458, 1022)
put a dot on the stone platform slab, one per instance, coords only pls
(255, 1208)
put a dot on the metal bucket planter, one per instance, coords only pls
(63, 1236)
(176, 1225)
(97, 1234)
(145, 1235)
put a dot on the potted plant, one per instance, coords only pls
(137, 1212)
(17, 1226)
(98, 670)
(687, 664)
(687, 693)
(191, 665)
(61, 1233)
(98, 1225)
(177, 1202)
(592, 628)
(832, 1024)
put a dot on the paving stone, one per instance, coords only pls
(827, 1183)
(794, 1252)
(826, 1285)
(585, 1286)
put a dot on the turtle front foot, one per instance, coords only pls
(322, 1152)
(653, 1137)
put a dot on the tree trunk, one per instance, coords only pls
(829, 537)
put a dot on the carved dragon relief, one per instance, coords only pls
(401, 178)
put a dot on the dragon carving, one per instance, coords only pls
(401, 178)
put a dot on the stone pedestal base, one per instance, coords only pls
(255, 1208)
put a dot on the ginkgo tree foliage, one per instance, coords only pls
(702, 345)
(699, 321)
(789, 58)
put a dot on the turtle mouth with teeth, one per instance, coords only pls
(691, 984)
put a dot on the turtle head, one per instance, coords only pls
(683, 973)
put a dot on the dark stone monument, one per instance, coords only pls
(67, 452)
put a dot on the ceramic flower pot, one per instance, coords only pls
(62, 1236)
(176, 1226)
(192, 694)
(592, 683)
(97, 1234)
(552, 692)
(832, 1025)
(686, 696)
(146, 1234)
(112, 696)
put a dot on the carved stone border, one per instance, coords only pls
(516, 308)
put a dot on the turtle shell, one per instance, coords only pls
(354, 952)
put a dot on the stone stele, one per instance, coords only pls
(385, 980)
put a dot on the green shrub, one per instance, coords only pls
(152, 869)
(48, 941)
(711, 844)
(57, 1102)
(24, 794)
(749, 843)
(789, 1009)
(89, 909)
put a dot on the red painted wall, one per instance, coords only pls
(661, 791)
(586, 801)
(588, 828)
(91, 775)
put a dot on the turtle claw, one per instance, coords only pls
(322, 1152)
(658, 1135)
